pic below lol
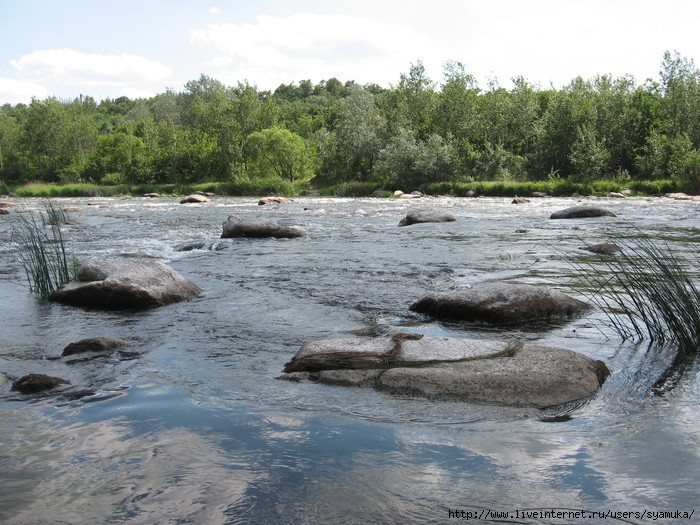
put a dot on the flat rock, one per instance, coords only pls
(500, 303)
(253, 227)
(582, 212)
(274, 200)
(421, 216)
(467, 369)
(119, 284)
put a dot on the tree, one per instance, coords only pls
(280, 152)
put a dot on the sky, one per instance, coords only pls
(139, 48)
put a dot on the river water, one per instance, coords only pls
(192, 425)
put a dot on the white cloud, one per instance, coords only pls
(70, 67)
(276, 50)
(13, 91)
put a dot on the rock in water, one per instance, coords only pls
(500, 303)
(258, 228)
(468, 369)
(420, 216)
(582, 212)
(125, 284)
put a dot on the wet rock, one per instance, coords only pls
(466, 369)
(33, 383)
(500, 303)
(582, 212)
(6, 204)
(92, 344)
(194, 199)
(520, 200)
(201, 245)
(605, 248)
(420, 216)
(274, 200)
(125, 284)
(4, 211)
(257, 228)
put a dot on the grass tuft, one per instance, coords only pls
(41, 250)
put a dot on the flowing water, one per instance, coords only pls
(192, 424)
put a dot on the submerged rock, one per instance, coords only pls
(499, 303)
(605, 248)
(420, 216)
(258, 228)
(125, 284)
(32, 383)
(92, 344)
(582, 212)
(467, 369)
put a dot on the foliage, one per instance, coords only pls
(40, 248)
(415, 133)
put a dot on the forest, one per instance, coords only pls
(341, 138)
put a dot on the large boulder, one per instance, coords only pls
(500, 303)
(119, 284)
(236, 226)
(468, 369)
(582, 212)
(420, 216)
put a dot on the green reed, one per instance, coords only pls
(41, 249)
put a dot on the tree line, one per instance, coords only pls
(412, 134)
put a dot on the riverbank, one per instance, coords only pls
(554, 188)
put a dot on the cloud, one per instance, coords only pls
(276, 50)
(13, 91)
(73, 68)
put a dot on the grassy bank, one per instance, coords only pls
(276, 186)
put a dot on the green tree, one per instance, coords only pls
(280, 152)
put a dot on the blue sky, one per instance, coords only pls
(132, 48)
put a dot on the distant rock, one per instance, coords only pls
(520, 200)
(195, 198)
(421, 216)
(92, 344)
(274, 200)
(582, 212)
(439, 367)
(151, 195)
(500, 303)
(605, 248)
(253, 227)
(119, 284)
(33, 383)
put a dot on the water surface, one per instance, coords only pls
(193, 426)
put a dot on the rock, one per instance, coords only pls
(616, 195)
(679, 196)
(195, 198)
(33, 383)
(151, 195)
(124, 284)
(412, 195)
(4, 211)
(419, 216)
(6, 204)
(93, 344)
(582, 212)
(500, 303)
(258, 228)
(467, 369)
(605, 248)
(539, 194)
(520, 200)
(274, 200)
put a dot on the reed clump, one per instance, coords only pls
(41, 249)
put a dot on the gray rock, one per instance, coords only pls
(125, 284)
(92, 344)
(500, 303)
(582, 212)
(258, 228)
(467, 369)
(195, 198)
(420, 216)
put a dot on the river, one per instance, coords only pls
(192, 424)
